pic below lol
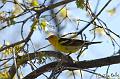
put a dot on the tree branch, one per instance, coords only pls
(23, 59)
(77, 65)
(52, 6)
(95, 17)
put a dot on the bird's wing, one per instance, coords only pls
(72, 42)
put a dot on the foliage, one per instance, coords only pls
(80, 3)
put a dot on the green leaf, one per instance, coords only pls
(43, 24)
(4, 1)
(35, 3)
(112, 11)
(80, 4)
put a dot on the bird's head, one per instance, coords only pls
(52, 38)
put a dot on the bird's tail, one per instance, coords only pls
(94, 42)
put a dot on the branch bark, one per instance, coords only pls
(30, 56)
(52, 6)
(76, 65)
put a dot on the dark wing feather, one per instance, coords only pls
(75, 42)
(72, 42)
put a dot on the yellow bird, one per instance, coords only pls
(67, 45)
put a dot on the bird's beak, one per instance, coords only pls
(46, 38)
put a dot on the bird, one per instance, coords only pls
(68, 45)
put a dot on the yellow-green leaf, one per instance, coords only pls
(64, 12)
(112, 11)
(4, 1)
(35, 3)
(17, 9)
(100, 31)
(43, 24)
(4, 75)
(80, 3)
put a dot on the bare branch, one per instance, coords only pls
(23, 59)
(73, 66)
